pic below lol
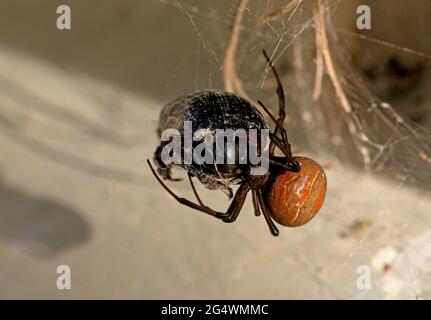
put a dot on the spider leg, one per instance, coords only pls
(280, 90)
(255, 203)
(267, 214)
(281, 100)
(279, 129)
(277, 123)
(229, 216)
(237, 203)
(285, 149)
(283, 143)
(240, 195)
(195, 191)
(281, 163)
(278, 126)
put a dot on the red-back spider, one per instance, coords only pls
(291, 192)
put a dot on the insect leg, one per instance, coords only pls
(162, 169)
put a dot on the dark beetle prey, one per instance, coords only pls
(208, 111)
(291, 191)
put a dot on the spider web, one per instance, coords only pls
(334, 117)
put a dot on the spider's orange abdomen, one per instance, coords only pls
(296, 197)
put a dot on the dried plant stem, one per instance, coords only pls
(324, 47)
(231, 81)
(282, 11)
(317, 91)
(339, 91)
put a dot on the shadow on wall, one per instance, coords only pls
(43, 227)
(24, 100)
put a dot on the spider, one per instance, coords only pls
(291, 192)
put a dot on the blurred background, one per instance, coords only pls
(78, 114)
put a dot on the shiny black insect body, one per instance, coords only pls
(208, 111)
